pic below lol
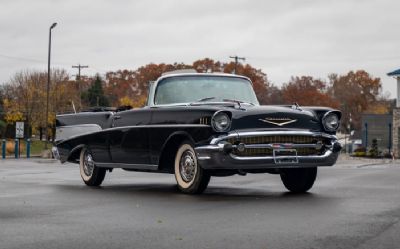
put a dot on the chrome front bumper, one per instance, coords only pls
(218, 154)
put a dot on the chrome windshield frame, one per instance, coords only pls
(151, 98)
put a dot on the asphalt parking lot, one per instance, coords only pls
(44, 204)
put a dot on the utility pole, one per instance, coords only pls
(79, 67)
(237, 58)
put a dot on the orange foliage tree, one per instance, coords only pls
(357, 92)
(25, 97)
(126, 84)
(133, 84)
(257, 76)
(306, 90)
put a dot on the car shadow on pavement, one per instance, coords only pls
(212, 193)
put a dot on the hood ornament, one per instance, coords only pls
(278, 121)
(296, 106)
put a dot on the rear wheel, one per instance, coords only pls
(190, 177)
(90, 173)
(299, 180)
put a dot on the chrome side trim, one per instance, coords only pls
(79, 113)
(157, 126)
(238, 135)
(216, 147)
(80, 125)
(152, 167)
(137, 126)
(204, 158)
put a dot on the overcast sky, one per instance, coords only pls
(283, 38)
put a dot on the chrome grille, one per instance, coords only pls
(278, 139)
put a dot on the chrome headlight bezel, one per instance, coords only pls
(327, 122)
(218, 119)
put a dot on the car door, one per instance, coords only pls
(129, 137)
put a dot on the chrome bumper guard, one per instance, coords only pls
(217, 155)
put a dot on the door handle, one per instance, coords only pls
(116, 117)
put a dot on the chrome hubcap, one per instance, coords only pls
(88, 164)
(187, 166)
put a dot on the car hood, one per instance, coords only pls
(275, 117)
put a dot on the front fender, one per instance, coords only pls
(66, 155)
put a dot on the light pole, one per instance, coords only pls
(48, 86)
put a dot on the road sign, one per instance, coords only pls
(19, 130)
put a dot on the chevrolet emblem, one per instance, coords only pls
(278, 121)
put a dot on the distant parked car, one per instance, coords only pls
(198, 125)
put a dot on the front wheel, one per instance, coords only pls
(90, 173)
(299, 180)
(190, 177)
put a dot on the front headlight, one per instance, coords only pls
(330, 121)
(220, 121)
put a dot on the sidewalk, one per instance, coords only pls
(347, 161)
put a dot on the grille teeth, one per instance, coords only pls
(204, 120)
(282, 139)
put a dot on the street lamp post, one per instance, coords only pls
(48, 86)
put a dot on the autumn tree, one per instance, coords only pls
(137, 102)
(63, 93)
(207, 65)
(2, 122)
(274, 96)
(152, 71)
(257, 76)
(24, 100)
(133, 84)
(2, 96)
(306, 90)
(356, 92)
(24, 97)
(120, 84)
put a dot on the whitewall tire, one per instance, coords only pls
(190, 177)
(90, 173)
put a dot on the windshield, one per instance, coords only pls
(188, 89)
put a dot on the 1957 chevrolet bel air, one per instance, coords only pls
(199, 125)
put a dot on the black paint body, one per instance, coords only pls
(147, 139)
(140, 136)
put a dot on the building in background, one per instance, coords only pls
(385, 128)
(379, 127)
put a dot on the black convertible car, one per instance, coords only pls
(199, 125)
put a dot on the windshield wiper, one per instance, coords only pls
(237, 101)
(205, 99)
(202, 100)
